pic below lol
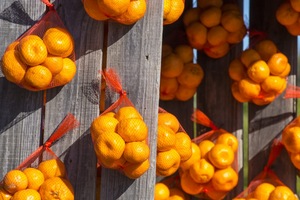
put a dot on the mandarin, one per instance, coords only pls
(161, 191)
(285, 14)
(171, 66)
(184, 93)
(136, 152)
(54, 64)
(52, 168)
(26, 195)
(294, 29)
(196, 155)
(273, 84)
(237, 36)
(210, 16)
(221, 155)
(191, 76)
(35, 178)
(224, 179)
(266, 48)
(205, 146)
(103, 124)
(92, 8)
(185, 52)
(135, 170)
(113, 8)
(127, 112)
(264, 99)
(263, 191)
(258, 71)
(249, 88)
(177, 194)
(14, 181)
(282, 192)
(168, 88)
(291, 139)
(183, 145)
(188, 184)
(176, 10)
(232, 20)
(38, 77)
(196, 34)
(57, 188)
(217, 35)
(202, 171)
(295, 158)
(277, 63)
(237, 71)
(169, 120)
(295, 5)
(4, 195)
(167, 162)
(66, 74)
(217, 51)
(249, 56)
(132, 130)
(228, 139)
(236, 93)
(191, 15)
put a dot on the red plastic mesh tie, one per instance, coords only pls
(48, 4)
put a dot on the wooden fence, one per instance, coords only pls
(27, 118)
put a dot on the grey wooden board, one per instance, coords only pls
(267, 122)
(134, 52)
(20, 110)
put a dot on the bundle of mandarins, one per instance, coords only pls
(173, 144)
(259, 74)
(180, 77)
(42, 58)
(46, 181)
(122, 11)
(288, 15)
(213, 26)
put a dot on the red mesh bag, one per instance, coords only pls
(174, 145)
(120, 134)
(267, 184)
(41, 169)
(43, 57)
(215, 158)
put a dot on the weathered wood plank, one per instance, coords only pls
(20, 110)
(135, 52)
(80, 97)
(267, 122)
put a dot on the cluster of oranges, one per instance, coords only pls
(120, 141)
(288, 15)
(164, 192)
(209, 170)
(173, 145)
(38, 63)
(122, 11)
(213, 26)
(269, 191)
(46, 181)
(173, 9)
(180, 77)
(259, 74)
(291, 141)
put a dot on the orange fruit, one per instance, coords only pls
(291, 139)
(91, 7)
(58, 41)
(273, 84)
(26, 195)
(176, 194)
(52, 168)
(135, 170)
(191, 76)
(217, 51)
(249, 56)
(295, 4)
(132, 130)
(237, 70)
(236, 93)
(185, 52)
(12, 46)
(57, 188)
(112, 163)
(217, 35)
(183, 145)
(191, 15)
(113, 8)
(294, 28)
(196, 155)
(167, 162)
(171, 66)
(232, 21)
(169, 120)
(249, 88)
(224, 179)
(35, 178)
(161, 191)
(282, 192)
(266, 48)
(109, 145)
(285, 14)
(184, 93)
(66, 74)
(263, 191)
(166, 138)
(207, 3)
(221, 156)
(168, 88)
(205, 146)
(258, 71)
(53, 63)
(176, 10)
(103, 124)
(196, 34)
(166, 50)
(127, 112)
(135, 11)
(286, 72)
(295, 158)
(277, 63)
(32, 50)
(136, 152)
(264, 99)
(237, 36)
(4, 195)
(38, 77)
(202, 171)
(188, 184)
(14, 181)
(228, 139)
(210, 16)
(12, 66)
(214, 194)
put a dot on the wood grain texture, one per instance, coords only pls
(267, 122)
(20, 110)
(134, 52)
